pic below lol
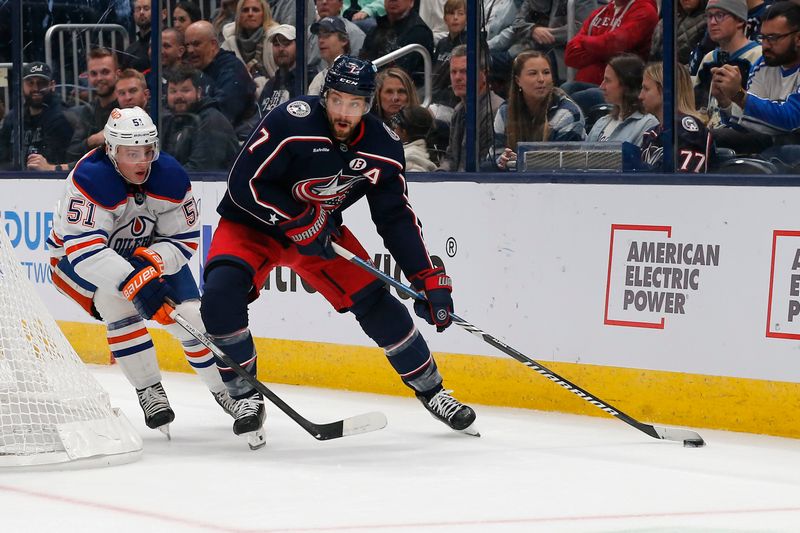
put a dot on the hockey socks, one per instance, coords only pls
(388, 323)
(239, 347)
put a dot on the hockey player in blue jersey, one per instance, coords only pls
(122, 236)
(306, 162)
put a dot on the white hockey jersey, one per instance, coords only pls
(102, 219)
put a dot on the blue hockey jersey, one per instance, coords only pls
(291, 160)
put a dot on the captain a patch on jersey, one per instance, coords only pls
(298, 109)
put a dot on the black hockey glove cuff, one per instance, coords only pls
(437, 287)
(312, 231)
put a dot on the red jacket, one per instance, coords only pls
(603, 36)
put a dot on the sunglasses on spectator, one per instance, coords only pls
(771, 39)
(717, 16)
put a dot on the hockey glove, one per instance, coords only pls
(438, 303)
(145, 288)
(312, 231)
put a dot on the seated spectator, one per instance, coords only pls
(173, 48)
(136, 55)
(195, 132)
(726, 26)
(689, 31)
(247, 38)
(46, 131)
(696, 150)
(103, 70)
(412, 125)
(621, 86)
(364, 13)
(400, 26)
(332, 41)
(767, 114)
(131, 90)
(230, 83)
(281, 87)
(325, 9)
(755, 10)
(455, 157)
(536, 110)
(542, 25)
(455, 18)
(394, 90)
(184, 13)
(617, 27)
(172, 51)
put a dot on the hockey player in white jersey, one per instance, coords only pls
(122, 236)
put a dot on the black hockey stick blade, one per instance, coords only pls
(689, 438)
(354, 425)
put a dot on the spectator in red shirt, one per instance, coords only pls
(617, 27)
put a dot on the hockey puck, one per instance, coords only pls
(694, 443)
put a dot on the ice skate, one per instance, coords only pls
(249, 420)
(447, 409)
(157, 412)
(224, 400)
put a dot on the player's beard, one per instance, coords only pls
(338, 129)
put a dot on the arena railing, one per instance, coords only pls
(426, 58)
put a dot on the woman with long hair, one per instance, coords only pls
(184, 13)
(394, 90)
(536, 110)
(247, 37)
(695, 148)
(622, 83)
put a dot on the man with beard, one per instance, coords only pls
(768, 112)
(103, 69)
(195, 132)
(281, 87)
(136, 55)
(46, 130)
(304, 164)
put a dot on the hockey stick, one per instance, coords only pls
(689, 438)
(353, 425)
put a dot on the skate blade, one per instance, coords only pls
(470, 430)
(255, 439)
(165, 430)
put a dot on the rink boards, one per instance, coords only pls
(677, 304)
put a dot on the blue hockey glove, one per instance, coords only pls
(145, 288)
(312, 231)
(437, 288)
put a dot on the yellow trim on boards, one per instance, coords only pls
(694, 400)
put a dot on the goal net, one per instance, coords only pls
(52, 410)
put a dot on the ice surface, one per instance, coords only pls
(530, 471)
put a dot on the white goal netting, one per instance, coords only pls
(52, 410)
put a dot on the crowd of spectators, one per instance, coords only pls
(736, 71)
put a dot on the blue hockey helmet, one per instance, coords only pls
(351, 75)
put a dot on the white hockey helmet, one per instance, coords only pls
(130, 127)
